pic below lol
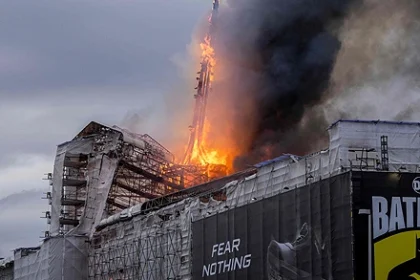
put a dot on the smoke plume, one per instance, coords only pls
(276, 62)
(376, 75)
(288, 68)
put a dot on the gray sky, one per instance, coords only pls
(65, 63)
(21, 223)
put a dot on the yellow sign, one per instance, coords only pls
(397, 257)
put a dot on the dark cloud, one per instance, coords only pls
(92, 43)
(65, 63)
(277, 56)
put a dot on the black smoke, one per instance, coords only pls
(277, 57)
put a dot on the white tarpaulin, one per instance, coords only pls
(141, 238)
(58, 258)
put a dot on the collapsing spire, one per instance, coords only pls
(195, 150)
(198, 155)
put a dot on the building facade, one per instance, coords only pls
(320, 216)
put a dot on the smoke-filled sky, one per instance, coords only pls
(65, 63)
(284, 52)
(287, 69)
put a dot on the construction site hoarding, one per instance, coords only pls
(303, 233)
(386, 210)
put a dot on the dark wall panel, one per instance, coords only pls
(301, 234)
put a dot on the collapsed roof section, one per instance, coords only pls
(104, 170)
(354, 145)
(161, 230)
(157, 234)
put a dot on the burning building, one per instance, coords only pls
(122, 207)
(198, 151)
(110, 169)
(328, 215)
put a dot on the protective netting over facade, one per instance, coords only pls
(152, 253)
(103, 171)
(160, 237)
(354, 146)
(6, 269)
(61, 257)
(133, 250)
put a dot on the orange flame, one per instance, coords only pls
(208, 55)
(216, 149)
(206, 153)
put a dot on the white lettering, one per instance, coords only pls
(418, 212)
(235, 245)
(220, 266)
(213, 268)
(224, 248)
(409, 202)
(396, 215)
(214, 250)
(379, 216)
(220, 250)
(230, 264)
(238, 263)
(247, 261)
(205, 271)
(226, 266)
(227, 248)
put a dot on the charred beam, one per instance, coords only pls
(149, 175)
(113, 202)
(136, 191)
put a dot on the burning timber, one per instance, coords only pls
(198, 152)
(327, 215)
(111, 169)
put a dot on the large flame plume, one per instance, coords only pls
(210, 151)
(282, 70)
(207, 147)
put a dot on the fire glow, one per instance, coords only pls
(203, 153)
(207, 146)
(208, 55)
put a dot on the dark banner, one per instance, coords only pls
(300, 234)
(387, 220)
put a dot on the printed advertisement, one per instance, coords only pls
(304, 233)
(396, 229)
(386, 225)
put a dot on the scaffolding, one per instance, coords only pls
(152, 239)
(74, 184)
(146, 252)
(124, 167)
(141, 175)
(384, 153)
